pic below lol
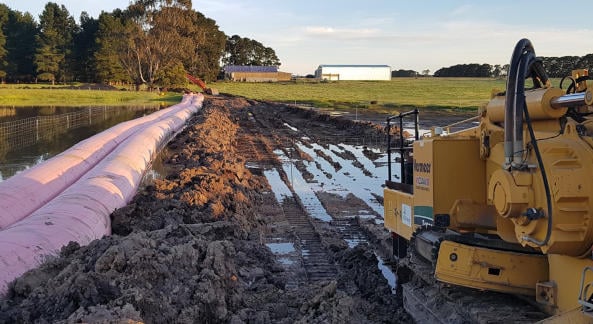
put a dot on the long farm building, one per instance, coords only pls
(251, 73)
(353, 72)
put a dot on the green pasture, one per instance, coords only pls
(447, 93)
(404, 93)
(31, 95)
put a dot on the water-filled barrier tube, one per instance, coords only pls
(27, 191)
(81, 211)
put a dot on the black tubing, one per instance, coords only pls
(523, 64)
(540, 163)
(509, 115)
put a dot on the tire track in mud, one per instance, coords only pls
(259, 155)
(348, 223)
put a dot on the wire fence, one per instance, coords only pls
(29, 131)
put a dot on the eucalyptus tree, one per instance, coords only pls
(153, 41)
(245, 51)
(158, 42)
(205, 48)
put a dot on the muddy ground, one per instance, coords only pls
(263, 217)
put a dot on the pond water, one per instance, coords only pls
(31, 135)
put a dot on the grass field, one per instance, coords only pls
(405, 93)
(449, 93)
(57, 96)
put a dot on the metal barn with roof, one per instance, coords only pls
(253, 73)
(334, 72)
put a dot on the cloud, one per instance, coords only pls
(342, 33)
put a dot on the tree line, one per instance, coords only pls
(151, 42)
(556, 67)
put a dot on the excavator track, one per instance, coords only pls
(426, 241)
(431, 301)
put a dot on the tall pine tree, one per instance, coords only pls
(20, 34)
(54, 43)
(4, 12)
(84, 48)
(109, 43)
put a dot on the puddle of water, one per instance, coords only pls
(303, 189)
(364, 214)
(252, 165)
(352, 243)
(278, 186)
(285, 251)
(350, 178)
(388, 274)
(291, 127)
(281, 248)
(286, 261)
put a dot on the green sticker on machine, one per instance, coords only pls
(423, 215)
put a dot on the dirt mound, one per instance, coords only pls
(189, 249)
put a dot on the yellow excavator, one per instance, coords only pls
(504, 207)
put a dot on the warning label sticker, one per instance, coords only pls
(407, 214)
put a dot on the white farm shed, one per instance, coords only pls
(353, 72)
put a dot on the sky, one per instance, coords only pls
(410, 35)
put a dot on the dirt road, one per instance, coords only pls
(268, 214)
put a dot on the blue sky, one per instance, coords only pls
(414, 35)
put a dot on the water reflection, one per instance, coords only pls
(31, 135)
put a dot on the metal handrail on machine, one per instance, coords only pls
(402, 147)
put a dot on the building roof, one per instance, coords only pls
(353, 65)
(249, 68)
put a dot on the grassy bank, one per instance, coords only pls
(448, 93)
(12, 96)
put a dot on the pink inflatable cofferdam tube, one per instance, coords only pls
(81, 212)
(27, 191)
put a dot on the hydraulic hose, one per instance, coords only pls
(523, 64)
(510, 99)
(540, 163)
